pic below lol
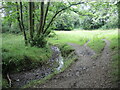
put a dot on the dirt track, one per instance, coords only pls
(86, 72)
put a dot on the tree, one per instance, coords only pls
(37, 38)
(118, 6)
(31, 18)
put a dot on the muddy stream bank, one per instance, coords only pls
(22, 78)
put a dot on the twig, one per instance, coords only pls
(8, 77)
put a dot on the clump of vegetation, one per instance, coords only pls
(97, 44)
(66, 50)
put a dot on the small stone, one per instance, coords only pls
(18, 80)
(103, 67)
(77, 73)
(87, 70)
(44, 86)
(84, 68)
(55, 81)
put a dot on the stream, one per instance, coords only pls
(57, 57)
(24, 77)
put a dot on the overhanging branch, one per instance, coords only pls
(58, 13)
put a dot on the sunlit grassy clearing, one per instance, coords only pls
(82, 36)
(77, 37)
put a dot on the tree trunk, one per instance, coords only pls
(31, 18)
(18, 17)
(118, 5)
(23, 28)
(41, 18)
(20, 21)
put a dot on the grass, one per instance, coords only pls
(15, 53)
(68, 37)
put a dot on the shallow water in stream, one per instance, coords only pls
(58, 58)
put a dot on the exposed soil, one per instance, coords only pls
(86, 72)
